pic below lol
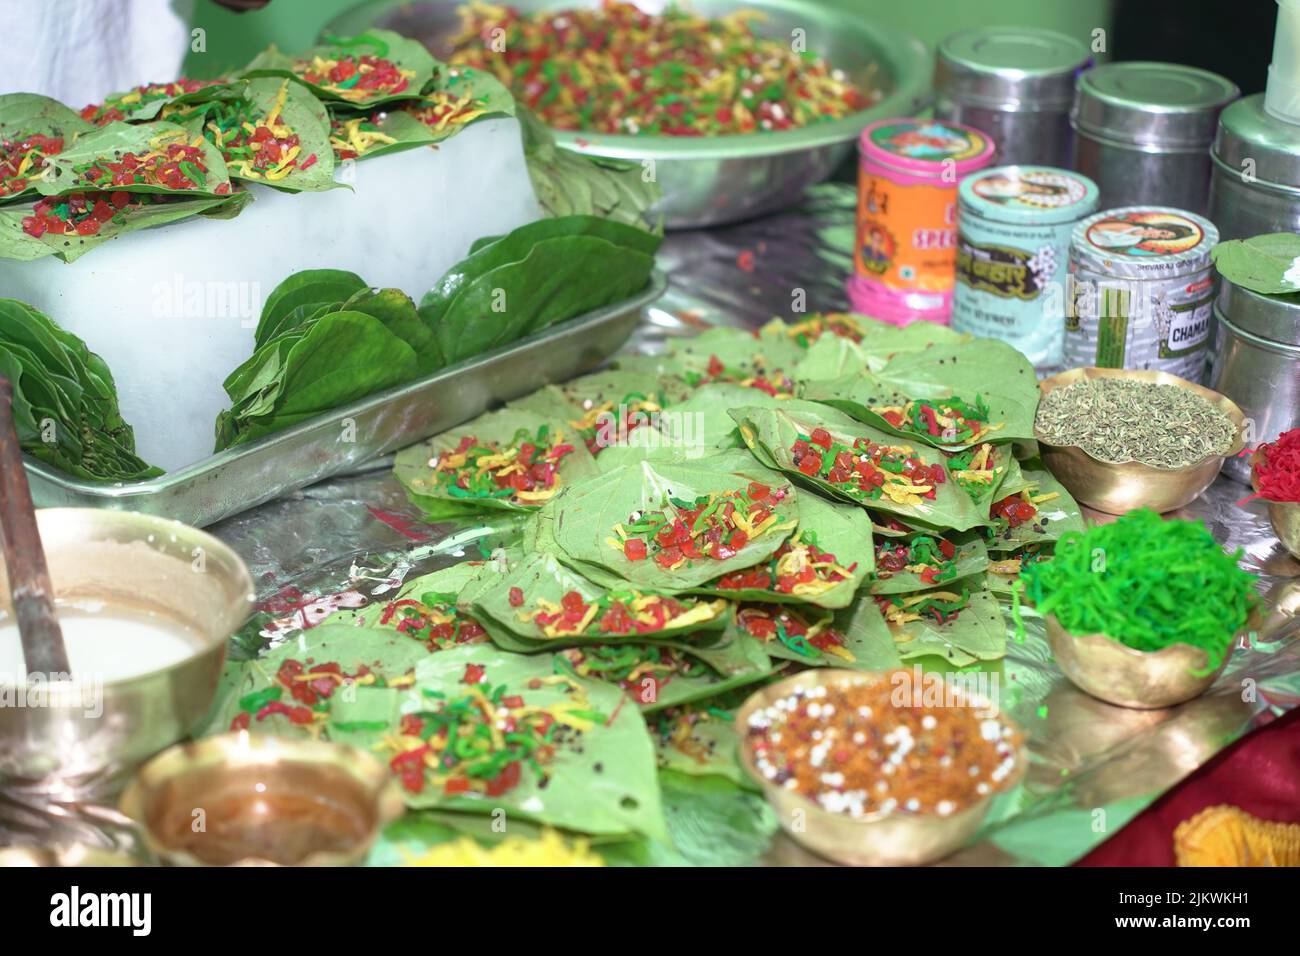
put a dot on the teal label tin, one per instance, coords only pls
(1013, 243)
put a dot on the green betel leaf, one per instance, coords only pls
(665, 674)
(823, 563)
(904, 565)
(613, 521)
(736, 356)
(1267, 264)
(149, 158)
(855, 637)
(569, 183)
(311, 287)
(468, 461)
(515, 246)
(341, 357)
(396, 311)
(558, 279)
(1054, 511)
(65, 401)
(597, 775)
(454, 100)
(544, 601)
(33, 130)
(374, 67)
(949, 396)
(288, 146)
(363, 658)
(972, 630)
(699, 739)
(904, 471)
(26, 231)
(144, 103)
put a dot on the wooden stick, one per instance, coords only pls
(29, 578)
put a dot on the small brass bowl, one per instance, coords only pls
(895, 838)
(88, 732)
(1118, 488)
(1145, 680)
(245, 799)
(1284, 515)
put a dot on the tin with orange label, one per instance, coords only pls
(905, 252)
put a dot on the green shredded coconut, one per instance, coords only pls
(1146, 583)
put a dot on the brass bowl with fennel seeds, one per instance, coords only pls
(1144, 439)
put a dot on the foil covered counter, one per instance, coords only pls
(1093, 766)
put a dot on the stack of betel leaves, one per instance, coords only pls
(685, 527)
(325, 338)
(64, 400)
(163, 152)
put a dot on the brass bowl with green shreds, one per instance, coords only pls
(1117, 488)
(710, 180)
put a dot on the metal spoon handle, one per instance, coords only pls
(29, 578)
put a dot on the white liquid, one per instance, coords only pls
(106, 646)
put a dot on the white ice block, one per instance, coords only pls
(172, 309)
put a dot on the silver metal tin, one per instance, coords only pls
(342, 440)
(1143, 131)
(1255, 183)
(1257, 363)
(1142, 291)
(1016, 85)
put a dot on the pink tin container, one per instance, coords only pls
(905, 253)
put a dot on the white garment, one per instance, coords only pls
(78, 51)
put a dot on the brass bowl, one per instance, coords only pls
(1118, 488)
(884, 839)
(1284, 515)
(88, 731)
(245, 799)
(1146, 680)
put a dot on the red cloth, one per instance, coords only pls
(1260, 773)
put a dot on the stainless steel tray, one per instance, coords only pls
(348, 437)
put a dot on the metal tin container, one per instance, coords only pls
(1255, 183)
(905, 255)
(1015, 84)
(1142, 291)
(1014, 225)
(1143, 132)
(1257, 363)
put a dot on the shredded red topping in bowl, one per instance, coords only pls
(617, 69)
(1277, 467)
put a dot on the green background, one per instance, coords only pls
(234, 38)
